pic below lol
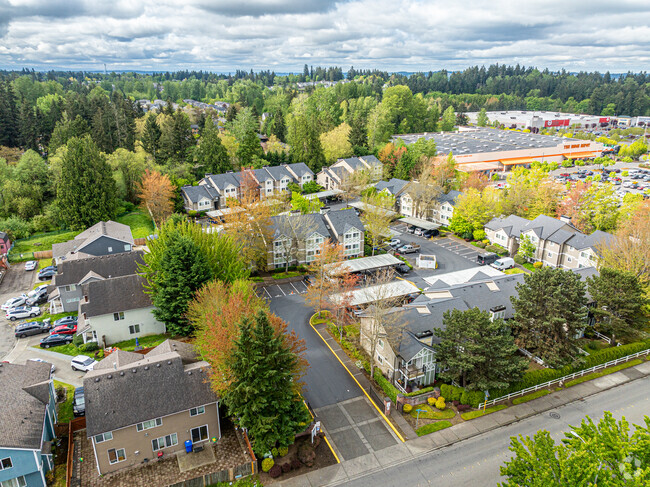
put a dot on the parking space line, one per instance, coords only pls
(294, 287)
(278, 286)
(267, 292)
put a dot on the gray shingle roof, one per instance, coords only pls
(300, 168)
(113, 295)
(24, 392)
(545, 226)
(394, 185)
(158, 385)
(300, 225)
(450, 197)
(344, 220)
(195, 193)
(106, 266)
(355, 163)
(511, 224)
(4, 236)
(112, 229)
(582, 242)
(221, 181)
(279, 172)
(371, 160)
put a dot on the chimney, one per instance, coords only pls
(565, 219)
(324, 209)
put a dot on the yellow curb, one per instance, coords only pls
(355, 380)
(332, 449)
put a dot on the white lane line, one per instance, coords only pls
(281, 290)
(294, 287)
(267, 292)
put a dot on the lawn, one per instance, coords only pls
(432, 427)
(145, 342)
(140, 223)
(44, 263)
(530, 267)
(430, 413)
(530, 397)
(610, 370)
(64, 410)
(73, 351)
(514, 270)
(476, 414)
(53, 318)
(284, 275)
(43, 241)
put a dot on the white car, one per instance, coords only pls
(36, 290)
(83, 363)
(43, 361)
(419, 231)
(22, 312)
(394, 242)
(30, 265)
(14, 302)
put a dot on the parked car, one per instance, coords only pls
(55, 341)
(395, 242)
(49, 267)
(43, 361)
(503, 263)
(66, 320)
(408, 249)
(69, 329)
(410, 228)
(419, 231)
(13, 303)
(79, 403)
(38, 298)
(83, 363)
(22, 312)
(30, 265)
(434, 232)
(36, 290)
(32, 328)
(486, 259)
(402, 268)
(46, 274)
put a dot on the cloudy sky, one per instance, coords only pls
(283, 35)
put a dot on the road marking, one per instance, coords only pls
(355, 380)
(267, 292)
(332, 449)
(296, 289)
(281, 290)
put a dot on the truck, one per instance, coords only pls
(408, 249)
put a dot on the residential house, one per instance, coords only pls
(333, 177)
(557, 242)
(65, 291)
(5, 243)
(117, 309)
(298, 238)
(143, 407)
(26, 423)
(103, 238)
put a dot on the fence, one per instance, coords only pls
(74, 425)
(603, 337)
(418, 399)
(580, 373)
(40, 254)
(243, 470)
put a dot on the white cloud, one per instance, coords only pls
(284, 34)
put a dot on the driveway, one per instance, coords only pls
(16, 281)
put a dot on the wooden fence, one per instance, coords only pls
(139, 241)
(243, 470)
(74, 425)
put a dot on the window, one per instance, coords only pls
(164, 442)
(380, 343)
(584, 255)
(569, 259)
(5, 463)
(116, 455)
(549, 254)
(380, 359)
(199, 434)
(152, 423)
(103, 437)
(71, 287)
(127, 247)
(118, 316)
(133, 329)
(17, 482)
(110, 249)
(197, 411)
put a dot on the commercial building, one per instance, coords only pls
(538, 120)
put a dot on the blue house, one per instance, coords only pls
(27, 417)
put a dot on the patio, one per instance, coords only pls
(228, 453)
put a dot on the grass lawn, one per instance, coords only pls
(431, 413)
(601, 373)
(139, 222)
(145, 342)
(73, 351)
(530, 267)
(59, 476)
(284, 275)
(432, 427)
(530, 397)
(41, 242)
(514, 270)
(44, 263)
(476, 414)
(64, 409)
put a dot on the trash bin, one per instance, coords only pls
(188, 446)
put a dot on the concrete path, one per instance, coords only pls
(367, 469)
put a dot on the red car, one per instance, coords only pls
(65, 330)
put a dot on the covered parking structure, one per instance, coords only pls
(324, 194)
(361, 206)
(368, 295)
(365, 264)
(420, 223)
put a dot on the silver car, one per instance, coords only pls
(14, 302)
(22, 312)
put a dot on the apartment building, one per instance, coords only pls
(334, 176)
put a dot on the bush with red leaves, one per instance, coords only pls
(295, 464)
(464, 407)
(455, 403)
(286, 467)
(275, 471)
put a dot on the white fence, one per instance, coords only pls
(603, 337)
(532, 357)
(580, 373)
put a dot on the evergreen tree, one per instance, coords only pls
(482, 118)
(151, 137)
(65, 130)
(620, 300)
(278, 127)
(183, 270)
(210, 155)
(478, 352)
(550, 312)
(176, 138)
(231, 113)
(263, 391)
(244, 128)
(305, 143)
(85, 189)
(28, 126)
(358, 135)
(9, 135)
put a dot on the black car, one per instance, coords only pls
(46, 274)
(55, 341)
(66, 320)
(38, 298)
(32, 328)
(402, 268)
(79, 403)
(486, 259)
(431, 233)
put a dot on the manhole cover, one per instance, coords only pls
(554, 415)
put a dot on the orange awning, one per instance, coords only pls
(580, 155)
(518, 160)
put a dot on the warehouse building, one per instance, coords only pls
(538, 120)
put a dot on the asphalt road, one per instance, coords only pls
(16, 281)
(327, 382)
(476, 461)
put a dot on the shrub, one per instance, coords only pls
(388, 388)
(480, 245)
(463, 407)
(407, 408)
(473, 398)
(60, 392)
(77, 340)
(267, 464)
(283, 450)
(519, 259)
(497, 249)
(295, 464)
(432, 401)
(286, 467)
(445, 390)
(307, 454)
(82, 348)
(538, 265)
(478, 234)
(275, 471)
(425, 390)
(455, 403)
(91, 346)
(274, 452)
(440, 403)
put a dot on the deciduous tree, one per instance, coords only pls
(377, 214)
(324, 275)
(305, 205)
(156, 192)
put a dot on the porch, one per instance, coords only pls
(417, 373)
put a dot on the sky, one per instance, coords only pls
(392, 35)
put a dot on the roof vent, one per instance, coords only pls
(96, 379)
(169, 362)
(157, 365)
(109, 376)
(122, 374)
(189, 373)
(146, 367)
(134, 370)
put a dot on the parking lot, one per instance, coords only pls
(271, 291)
(16, 281)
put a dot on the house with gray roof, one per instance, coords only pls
(64, 293)
(333, 177)
(103, 238)
(116, 309)
(26, 423)
(142, 407)
(347, 229)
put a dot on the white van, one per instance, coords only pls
(503, 263)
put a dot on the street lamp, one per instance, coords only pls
(600, 465)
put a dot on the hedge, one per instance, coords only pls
(497, 249)
(421, 391)
(451, 393)
(473, 398)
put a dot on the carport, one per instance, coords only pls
(376, 262)
(370, 294)
(420, 223)
(324, 194)
(360, 205)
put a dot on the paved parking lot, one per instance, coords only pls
(16, 281)
(271, 291)
(469, 252)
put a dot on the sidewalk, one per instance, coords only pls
(349, 470)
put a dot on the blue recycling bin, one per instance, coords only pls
(188, 446)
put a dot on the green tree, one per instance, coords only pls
(336, 143)
(358, 136)
(245, 128)
(591, 454)
(128, 168)
(305, 143)
(151, 137)
(86, 192)
(210, 154)
(264, 391)
(377, 215)
(527, 248)
(482, 118)
(620, 301)
(478, 352)
(305, 205)
(448, 120)
(550, 312)
(65, 129)
(176, 138)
